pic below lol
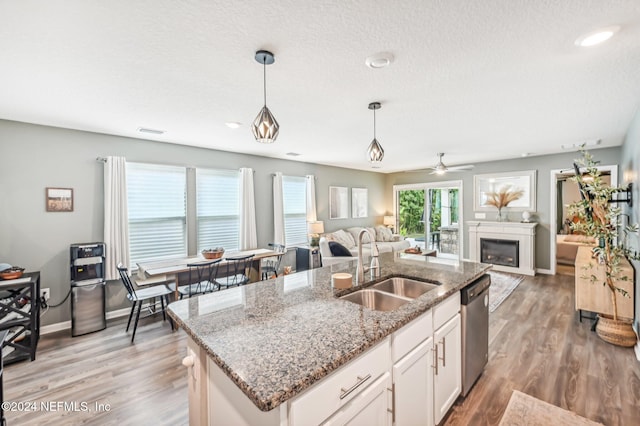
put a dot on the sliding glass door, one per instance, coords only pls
(429, 216)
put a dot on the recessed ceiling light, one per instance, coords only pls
(233, 124)
(596, 37)
(292, 154)
(379, 60)
(152, 131)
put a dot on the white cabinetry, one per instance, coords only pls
(413, 387)
(427, 370)
(410, 378)
(368, 408)
(448, 366)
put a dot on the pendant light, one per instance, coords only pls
(265, 127)
(375, 153)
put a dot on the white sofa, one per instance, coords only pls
(385, 241)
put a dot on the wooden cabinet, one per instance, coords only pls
(447, 342)
(595, 297)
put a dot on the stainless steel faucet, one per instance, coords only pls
(375, 264)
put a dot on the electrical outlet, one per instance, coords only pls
(45, 293)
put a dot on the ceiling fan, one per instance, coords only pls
(441, 168)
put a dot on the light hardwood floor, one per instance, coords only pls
(537, 346)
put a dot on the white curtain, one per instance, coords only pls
(311, 198)
(116, 219)
(248, 230)
(278, 209)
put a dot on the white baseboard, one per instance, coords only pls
(66, 325)
(543, 271)
(636, 348)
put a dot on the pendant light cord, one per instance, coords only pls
(264, 79)
(374, 123)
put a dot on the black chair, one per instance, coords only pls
(270, 265)
(234, 271)
(141, 295)
(201, 278)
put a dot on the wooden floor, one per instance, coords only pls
(537, 346)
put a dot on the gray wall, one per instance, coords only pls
(543, 165)
(630, 163)
(35, 157)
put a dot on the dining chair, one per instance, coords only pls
(201, 278)
(137, 297)
(234, 271)
(270, 265)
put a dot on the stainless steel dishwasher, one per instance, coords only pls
(475, 330)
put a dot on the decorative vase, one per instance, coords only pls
(618, 332)
(501, 217)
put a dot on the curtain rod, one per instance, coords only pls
(104, 160)
(305, 176)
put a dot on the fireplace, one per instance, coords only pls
(500, 252)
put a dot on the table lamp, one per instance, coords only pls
(390, 221)
(315, 229)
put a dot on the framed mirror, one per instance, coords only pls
(359, 202)
(509, 181)
(338, 202)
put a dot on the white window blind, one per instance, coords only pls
(295, 209)
(218, 193)
(156, 197)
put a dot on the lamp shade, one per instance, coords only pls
(389, 220)
(316, 227)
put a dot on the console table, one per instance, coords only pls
(20, 317)
(595, 297)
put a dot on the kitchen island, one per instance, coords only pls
(271, 343)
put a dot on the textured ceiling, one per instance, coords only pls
(480, 81)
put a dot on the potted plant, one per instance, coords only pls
(598, 218)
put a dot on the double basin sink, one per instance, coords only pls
(389, 294)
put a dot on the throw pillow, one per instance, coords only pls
(344, 238)
(383, 233)
(338, 249)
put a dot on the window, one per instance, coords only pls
(294, 191)
(218, 194)
(156, 197)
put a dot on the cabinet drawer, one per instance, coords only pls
(411, 335)
(331, 393)
(446, 310)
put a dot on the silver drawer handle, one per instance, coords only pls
(435, 358)
(444, 352)
(345, 392)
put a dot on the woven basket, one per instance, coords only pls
(618, 332)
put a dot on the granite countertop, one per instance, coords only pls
(276, 338)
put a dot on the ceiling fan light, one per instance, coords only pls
(265, 127)
(375, 152)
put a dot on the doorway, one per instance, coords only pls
(563, 191)
(430, 216)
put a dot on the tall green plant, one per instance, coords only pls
(411, 210)
(599, 219)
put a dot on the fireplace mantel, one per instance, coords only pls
(525, 233)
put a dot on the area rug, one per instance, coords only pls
(526, 410)
(502, 284)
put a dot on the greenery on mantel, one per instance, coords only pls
(600, 219)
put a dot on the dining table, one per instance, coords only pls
(176, 270)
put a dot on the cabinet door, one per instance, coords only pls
(448, 373)
(413, 387)
(369, 408)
